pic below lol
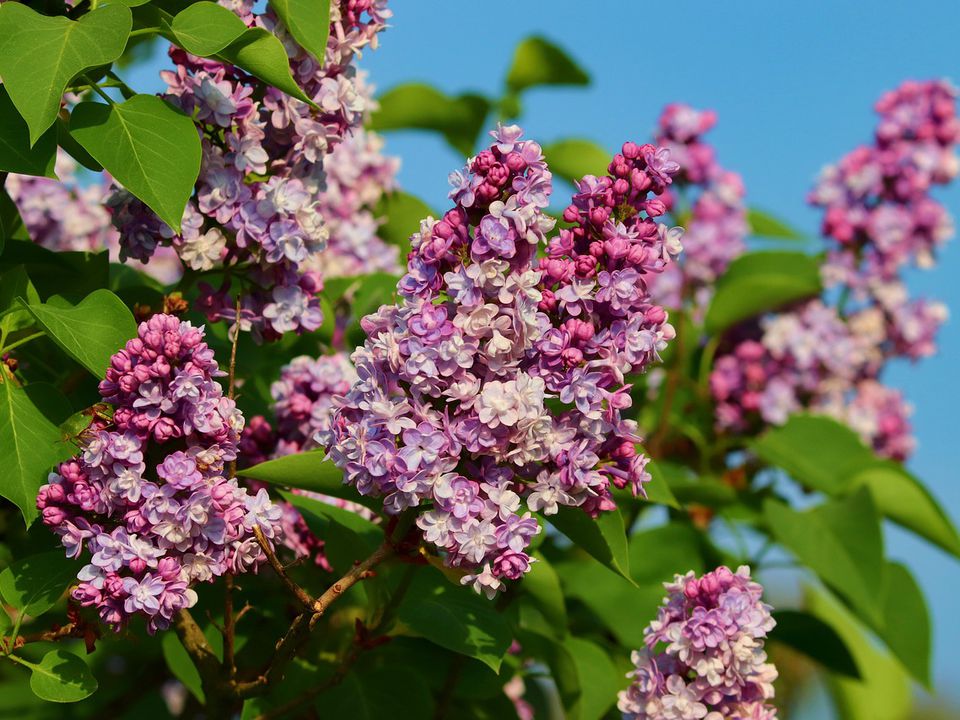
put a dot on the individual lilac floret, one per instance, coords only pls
(704, 656)
(147, 498)
(494, 386)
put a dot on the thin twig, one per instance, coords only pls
(229, 626)
(358, 572)
(303, 597)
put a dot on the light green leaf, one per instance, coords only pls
(401, 214)
(537, 61)
(599, 679)
(841, 542)
(261, 54)
(90, 332)
(542, 584)
(455, 618)
(906, 621)
(36, 583)
(763, 224)
(308, 21)
(29, 444)
(759, 282)
(843, 463)
(205, 28)
(179, 663)
(39, 55)
(62, 677)
(345, 518)
(884, 691)
(814, 638)
(416, 106)
(308, 471)
(658, 489)
(149, 146)
(604, 538)
(16, 153)
(14, 283)
(573, 158)
(657, 554)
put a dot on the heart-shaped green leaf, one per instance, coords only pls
(573, 158)
(62, 677)
(34, 584)
(308, 21)
(537, 61)
(16, 153)
(604, 537)
(205, 28)
(149, 146)
(39, 55)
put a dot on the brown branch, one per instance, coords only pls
(217, 689)
(358, 572)
(303, 597)
(229, 628)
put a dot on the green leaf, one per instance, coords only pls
(884, 691)
(16, 153)
(658, 489)
(39, 55)
(11, 224)
(843, 463)
(455, 618)
(841, 542)
(763, 224)
(308, 21)
(573, 158)
(604, 538)
(308, 471)
(759, 282)
(62, 677)
(816, 639)
(72, 275)
(149, 146)
(542, 584)
(179, 662)
(563, 667)
(906, 621)
(261, 54)
(422, 107)
(401, 213)
(599, 679)
(399, 693)
(537, 61)
(347, 519)
(73, 148)
(14, 283)
(657, 554)
(36, 583)
(29, 444)
(90, 332)
(205, 28)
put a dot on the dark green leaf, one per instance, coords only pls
(603, 538)
(179, 663)
(16, 153)
(39, 55)
(72, 275)
(345, 518)
(11, 224)
(658, 489)
(906, 621)
(14, 283)
(36, 583)
(422, 107)
(537, 61)
(599, 679)
(542, 584)
(149, 146)
(816, 639)
(73, 148)
(573, 158)
(398, 693)
(884, 691)
(764, 224)
(401, 213)
(308, 21)
(62, 677)
(29, 444)
(656, 555)
(455, 618)
(90, 332)
(205, 28)
(841, 542)
(759, 282)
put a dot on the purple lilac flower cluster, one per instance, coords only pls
(62, 216)
(709, 202)
(147, 498)
(704, 656)
(879, 217)
(303, 406)
(357, 176)
(495, 386)
(257, 201)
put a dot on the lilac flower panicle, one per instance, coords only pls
(147, 499)
(494, 387)
(704, 656)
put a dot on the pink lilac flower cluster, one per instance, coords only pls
(879, 217)
(63, 216)
(303, 406)
(358, 175)
(147, 499)
(257, 205)
(704, 657)
(709, 202)
(495, 386)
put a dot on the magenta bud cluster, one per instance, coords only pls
(704, 657)
(147, 503)
(495, 386)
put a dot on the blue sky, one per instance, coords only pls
(793, 85)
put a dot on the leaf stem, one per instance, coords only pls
(22, 341)
(98, 90)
